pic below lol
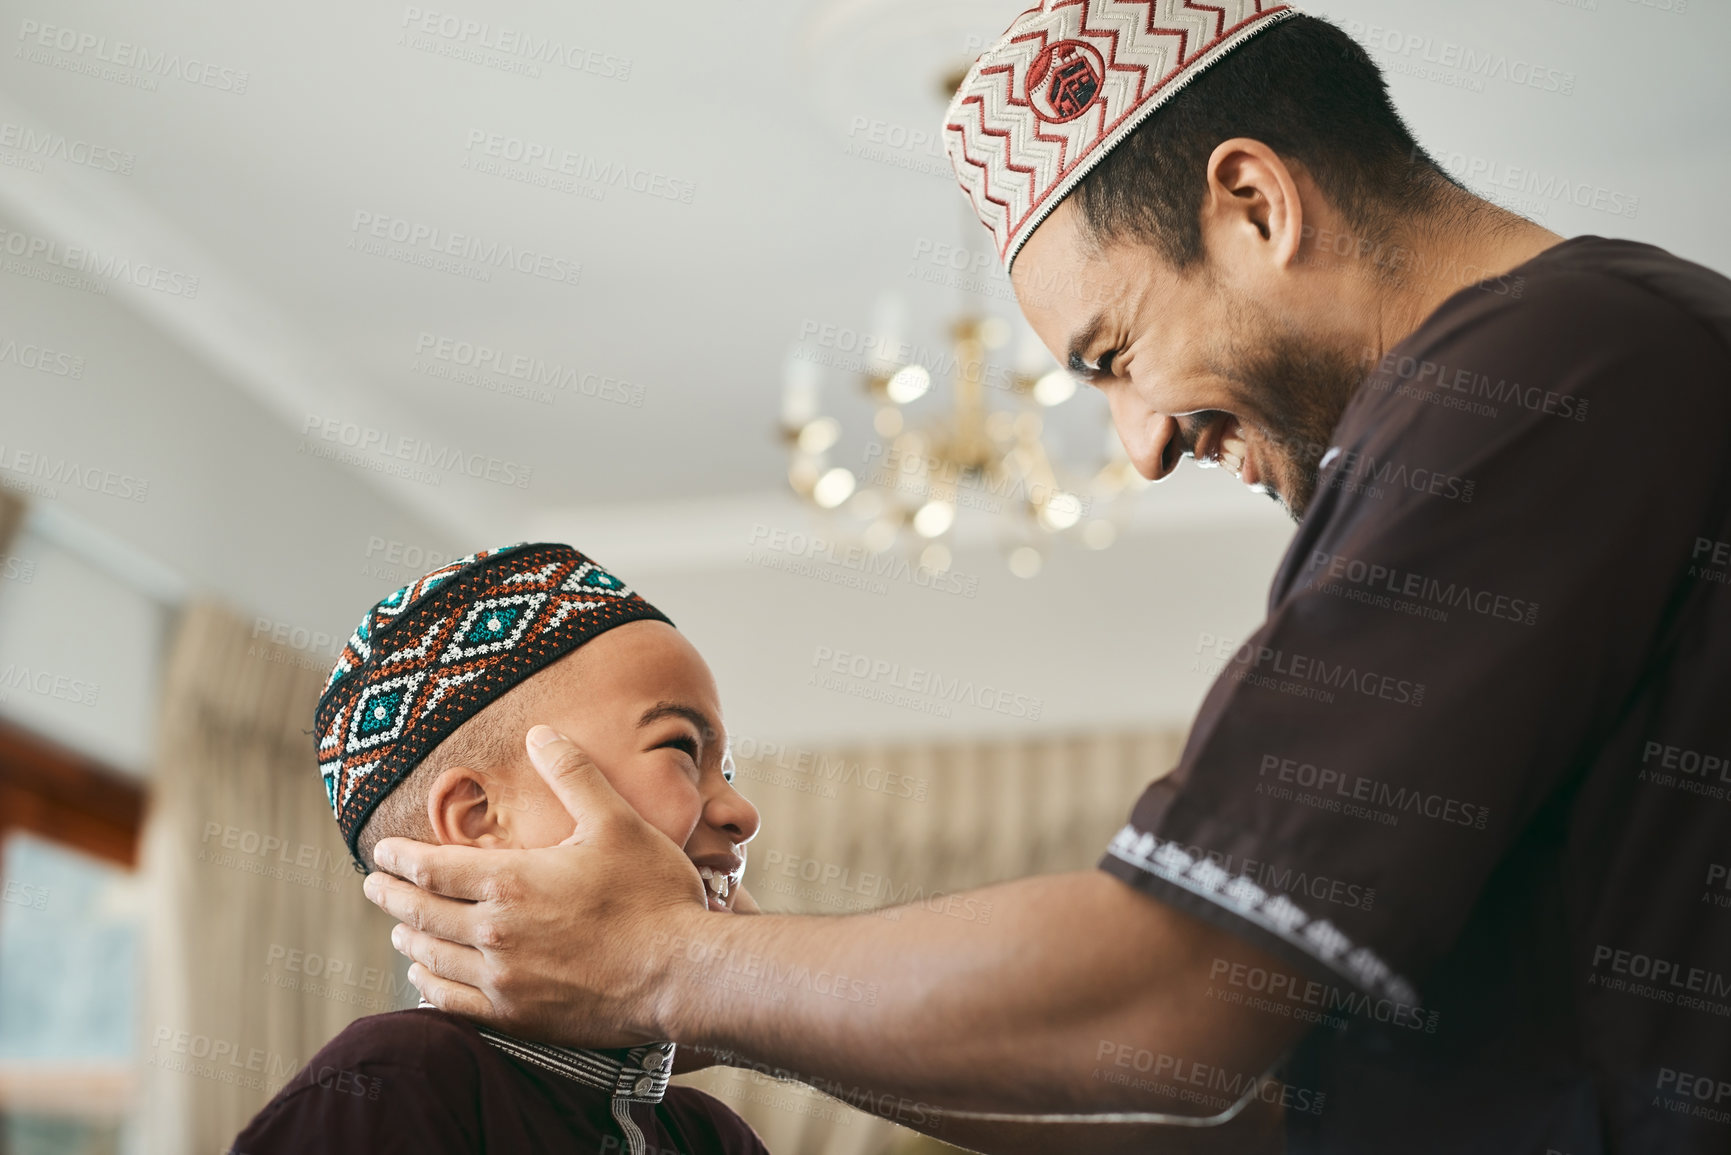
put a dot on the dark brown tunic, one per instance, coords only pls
(422, 1082)
(1472, 778)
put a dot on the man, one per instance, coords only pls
(1447, 846)
(491, 640)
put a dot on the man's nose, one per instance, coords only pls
(1153, 440)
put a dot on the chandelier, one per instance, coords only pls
(986, 460)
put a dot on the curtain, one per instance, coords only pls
(12, 513)
(259, 944)
(871, 826)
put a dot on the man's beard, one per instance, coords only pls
(1292, 392)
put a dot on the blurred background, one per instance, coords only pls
(299, 302)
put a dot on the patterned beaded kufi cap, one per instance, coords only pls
(427, 658)
(1067, 83)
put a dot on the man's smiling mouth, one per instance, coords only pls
(1222, 442)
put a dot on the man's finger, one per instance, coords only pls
(457, 998)
(448, 918)
(464, 872)
(448, 960)
(574, 779)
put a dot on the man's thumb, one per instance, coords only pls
(572, 777)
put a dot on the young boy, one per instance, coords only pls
(421, 734)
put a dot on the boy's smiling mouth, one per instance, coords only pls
(721, 877)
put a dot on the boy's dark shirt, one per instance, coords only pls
(423, 1082)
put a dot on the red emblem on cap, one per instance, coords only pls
(1065, 80)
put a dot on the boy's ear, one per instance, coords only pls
(462, 810)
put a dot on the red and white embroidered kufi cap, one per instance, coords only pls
(1067, 83)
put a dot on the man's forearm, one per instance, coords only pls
(1018, 1012)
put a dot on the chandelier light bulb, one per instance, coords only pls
(880, 535)
(818, 436)
(1061, 511)
(1099, 534)
(995, 332)
(833, 488)
(868, 504)
(909, 384)
(1054, 388)
(934, 519)
(936, 558)
(887, 421)
(1025, 561)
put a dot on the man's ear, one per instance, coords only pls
(463, 811)
(1253, 208)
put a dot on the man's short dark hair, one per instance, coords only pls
(1305, 89)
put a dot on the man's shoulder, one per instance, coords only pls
(1588, 293)
(403, 1034)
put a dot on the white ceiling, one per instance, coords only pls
(754, 104)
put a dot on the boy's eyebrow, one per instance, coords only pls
(705, 725)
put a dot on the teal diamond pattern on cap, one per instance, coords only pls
(590, 578)
(493, 626)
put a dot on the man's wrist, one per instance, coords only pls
(691, 964)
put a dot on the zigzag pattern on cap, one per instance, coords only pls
(1100, 68)
(428, 657)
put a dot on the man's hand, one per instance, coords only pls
(557, 944)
